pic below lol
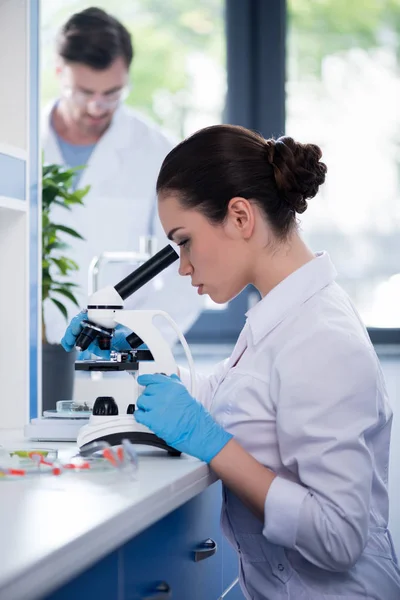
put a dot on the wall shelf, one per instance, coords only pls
(13, 204)
(13, 151)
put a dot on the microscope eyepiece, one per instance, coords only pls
(147, 271)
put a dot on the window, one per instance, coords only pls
(343, 93)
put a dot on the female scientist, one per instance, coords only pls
(296, 423)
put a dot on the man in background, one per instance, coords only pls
(89, 125)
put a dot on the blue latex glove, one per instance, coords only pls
(118, 342)
(167, 408)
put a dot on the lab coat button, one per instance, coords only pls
(281, 569)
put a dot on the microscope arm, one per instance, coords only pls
(142, 323)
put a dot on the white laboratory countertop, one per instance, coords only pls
(52, 528)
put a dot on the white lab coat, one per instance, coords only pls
(304, 394)
(120, 207)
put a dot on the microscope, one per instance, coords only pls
(111, 421)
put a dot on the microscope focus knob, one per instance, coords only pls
(105, 405)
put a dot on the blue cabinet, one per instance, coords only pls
(100, 582)
(181, 554)
(182, 557)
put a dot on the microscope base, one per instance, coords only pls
(114, 429)
(148, 439)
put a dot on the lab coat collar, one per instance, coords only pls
(108, 154)
(49, 139)
(45, 118)
(293, 291)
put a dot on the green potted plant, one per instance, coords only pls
(57, 272)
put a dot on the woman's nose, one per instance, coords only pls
(185, 268)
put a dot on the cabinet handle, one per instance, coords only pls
(162, 591)
(207, 549)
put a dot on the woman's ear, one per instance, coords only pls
(240, 217)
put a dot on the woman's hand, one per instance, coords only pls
(167, 408)
(118, 341)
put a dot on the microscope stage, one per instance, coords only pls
(105, 365)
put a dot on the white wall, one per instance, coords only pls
(13, 70)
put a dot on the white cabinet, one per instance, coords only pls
(19, 192)
(14, 318)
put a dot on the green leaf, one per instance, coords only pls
(65, 284)
(64, 264)
(49, 196)
(67, 294)
(61, 264)
(57, 246)
(79, 194)
(49, 182)
(61, 307)
(68, 230)
(48, 169)
(60, 203)
(45, 220)
(72, 265)
(72, 199)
